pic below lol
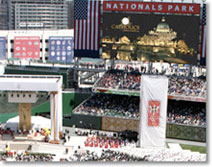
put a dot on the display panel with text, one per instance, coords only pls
(2, 48)
(27, 47)
(144, 36)
(61, 49)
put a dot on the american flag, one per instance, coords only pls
(203, 38)
(86, 28)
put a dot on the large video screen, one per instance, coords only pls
(61, 49)
(2, 48)
(150, 37)
(27, 47)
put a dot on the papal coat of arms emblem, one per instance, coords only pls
(153, 113)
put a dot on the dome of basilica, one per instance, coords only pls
(163, 26)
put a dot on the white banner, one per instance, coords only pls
(153, 111)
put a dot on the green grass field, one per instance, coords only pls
(200, 149)
(194, 148)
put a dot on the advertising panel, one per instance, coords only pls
(150, 37)
(27, 47)
(119, 124)
(186, 132)
(61, 49)
(2, 48)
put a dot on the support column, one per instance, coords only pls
(60, 112)
(55, 117)
(25, 116)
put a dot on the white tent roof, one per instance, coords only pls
(30, 83)
(36, 121)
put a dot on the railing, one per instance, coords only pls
(137, 93)
(30, 76)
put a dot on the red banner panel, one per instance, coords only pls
(153, 113)
(27, 47)
(130, 6)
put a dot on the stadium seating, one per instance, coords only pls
(180, 112)
(124, 80)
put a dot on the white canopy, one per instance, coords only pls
(36, 122)
(30, 83)
(36, 83)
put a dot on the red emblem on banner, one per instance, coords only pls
(153, 113)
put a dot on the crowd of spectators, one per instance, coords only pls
(182, 112)
(37, 132)
(100, 139)
(123, 80)
(111, 155)
(119, 79)
(166, 155)
(25, 156)
(34, 157)
(110, 105)
(127, 155)
(164, 69)
(6, 131)
(134, 154)
(187, 87)
(106, 155)
(65, 136)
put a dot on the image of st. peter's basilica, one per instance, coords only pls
(160, 43)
